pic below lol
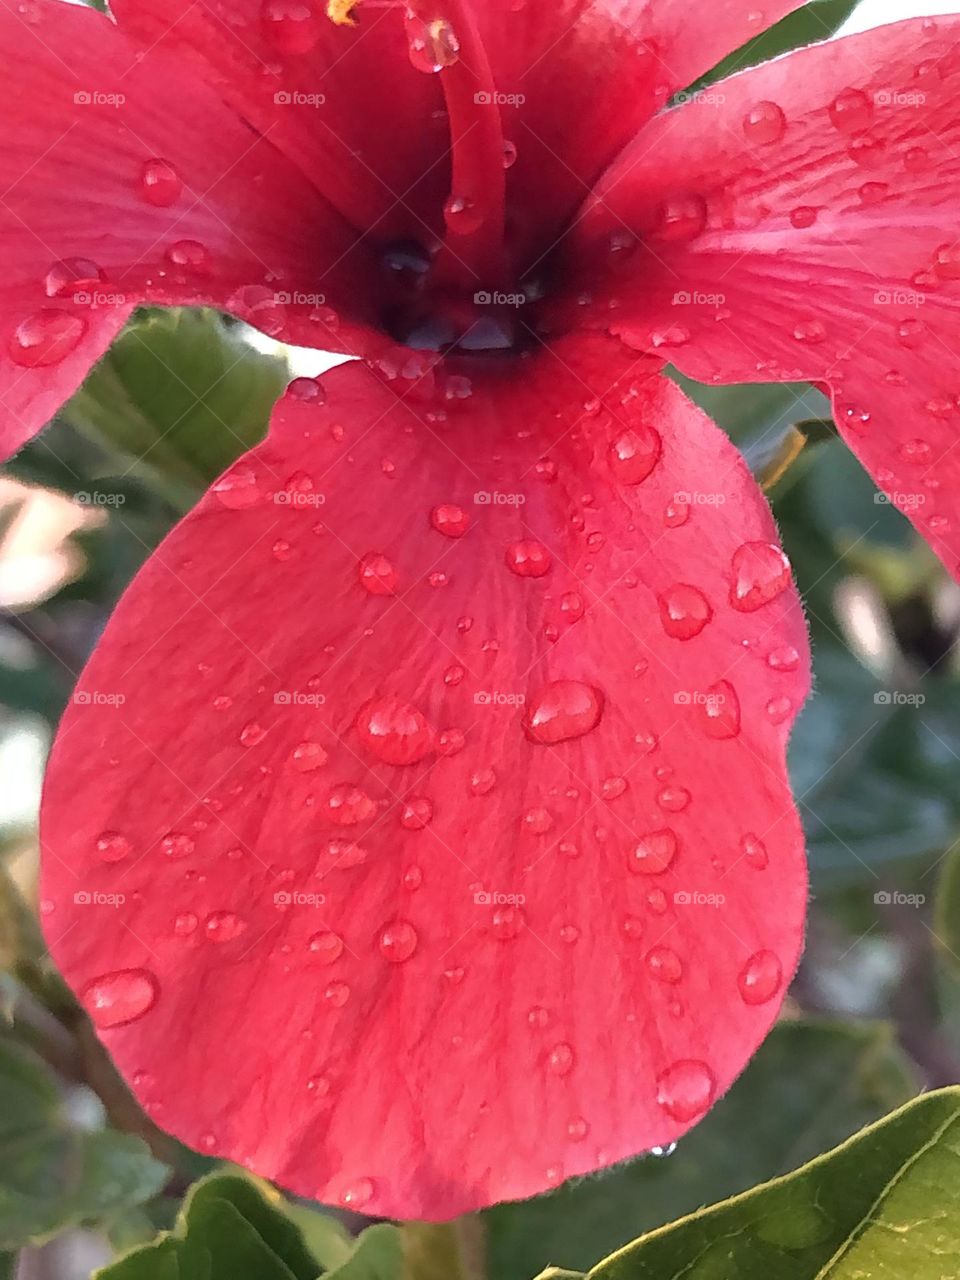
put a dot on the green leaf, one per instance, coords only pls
(884, 1204)
(228, 1229)
(53, 1175)
(810, 1085)
(182, 394)
(379, 1255)
(816, 21)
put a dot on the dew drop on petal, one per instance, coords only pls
(189, 255)
(238, 489)
(450, 520)
(71, 275)
(681, 218)
(509, 153)
(764, 123)
(760, 978)
(664, 964)
(761, 573)
(778, 709)
(561, 1059)
(185, 924)
(177, 844)
(528, 559)
(377, 574)
(654, 852)
(45, 338)
(483, 781)
(684, 611)
(719, 711)
(308, 756)
(394, 731)
(416, 813)
(159, 183)
(113, 847)
(347, 804)
(851, 111)
(686, 1089)
(326, 946)
(785, 658)
(337, 994)
(252, 733)
(432, 45)
(306, 391)
(507, 922)
(754, 852)
(113, 999)
(562, 709)
(398, 941)
(634, 453)
(224, 926)
(357, 1194)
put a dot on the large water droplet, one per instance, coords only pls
(70, 276)
(507, 922)
(326, 946)
(432, 45)
(45, 338)
(224, 926)
(851, 111)
(719, 711)
(398, 941)
(528, 559)
(357, 1194)
(308, 756)
(681, 218)
(561, 710)
(394, 731)
(112, 847)
(654, 852)
(764, 123)
(761, 573)
(347, 804)
(686, 1089)
(122, 996)
(177, 844)
(238, 489)
(664, 964)
(450, 520)
(634, 453)
(760, 978)
(684, 611)
(561, 1059)
(377, 574)
(416, 813)
(160, 184)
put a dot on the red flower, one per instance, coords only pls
(433, 768)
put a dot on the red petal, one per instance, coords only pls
(344, 103)
(126, 180)
(419, 889)
(548, 60)
(827, 185)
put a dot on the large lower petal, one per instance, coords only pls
(419, 833)
(125, 179)
(801, 223)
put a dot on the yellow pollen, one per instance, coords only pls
(341, 12)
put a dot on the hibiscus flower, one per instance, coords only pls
(433, 767)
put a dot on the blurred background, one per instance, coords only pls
(874, 1014)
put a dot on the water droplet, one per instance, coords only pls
(70, 276)
(306, 391)
(509, 153)
(719, 711)
(177, 844)
(676, 514)
(189, 255)
(122, 996)
(760, 978)
(673, 799)
(252, 733)
(224, 926)
(948, 262)
(778, 709)
(185, 924)
(537, 821)
(483, 781)
(539, 1018)
(238, 489)
(561, 710)
(394, 731)
(347, 804)
(681, 218)
(112, 846)
(611, 788)
(528, 559)
(851, 111)
(785, 658)
(684, 611)
(412, 878)
(810, 331)
(416, 813)
(577, 1129)
(357, 1194)
(634, 454)
(686, 1089)
(761, 573)
(561, 1059)
(664, 964)
(451, 742)
(337, 994)
(654, 852)
(377, 574)
(754, 852)
(432, 45)
(764, 124)
(803, 216)
(398, 941)
(463, 217)
(45, 338)
(450, 520)
(160, 184)
(308, 756)
(632, 927)
(326, 946)
(569, 933)
(293, 27)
